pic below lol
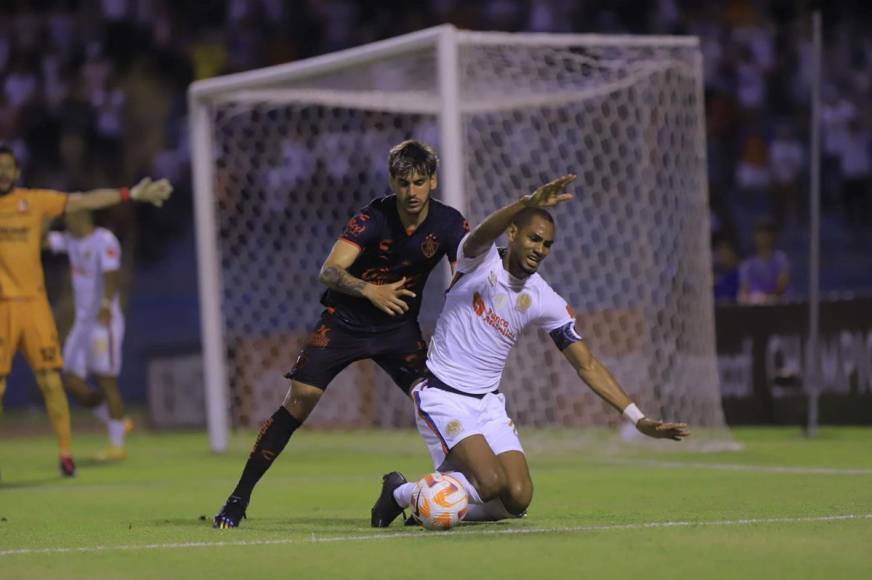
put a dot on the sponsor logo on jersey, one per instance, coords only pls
(378, 276)
(491, 318)
(430, 245)
(14, 234)
(384, 247)
(478, 304)
(499, 324)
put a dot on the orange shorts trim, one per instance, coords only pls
(28, 326)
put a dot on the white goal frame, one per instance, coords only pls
(445, 40)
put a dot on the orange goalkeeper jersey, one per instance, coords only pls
(22, 214)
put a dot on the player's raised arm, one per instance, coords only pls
(601, 382)
(496, 223)
(334, 274)
(154, 192)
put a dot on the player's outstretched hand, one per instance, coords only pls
(389, 297)
(551, 193)
(661, 430)
(154, 192)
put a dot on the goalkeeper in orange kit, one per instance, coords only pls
(26, 321)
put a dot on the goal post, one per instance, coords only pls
(284, 155)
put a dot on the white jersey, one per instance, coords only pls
(486, 308)
(90, 258)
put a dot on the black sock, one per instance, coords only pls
(271, 440)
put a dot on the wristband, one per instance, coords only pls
(125, 194)
(633, 413)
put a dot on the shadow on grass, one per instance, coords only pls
(313, 524)
(29, 483)
(90, 462)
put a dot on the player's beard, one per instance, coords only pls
(530, 265)
(521, 267)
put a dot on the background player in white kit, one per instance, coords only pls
(460, 412)
(93, 346)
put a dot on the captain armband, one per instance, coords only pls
(565, 335)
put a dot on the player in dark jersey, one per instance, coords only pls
(375, 276)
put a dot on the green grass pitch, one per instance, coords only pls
(783, 507)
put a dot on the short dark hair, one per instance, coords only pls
(412, 156)
(7, 150)
(526, 215)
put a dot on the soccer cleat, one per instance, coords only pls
(385, 510)
(231, 514)
(411, 521)
(111, 454)
(67, 466)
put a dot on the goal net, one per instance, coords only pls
(284, 156)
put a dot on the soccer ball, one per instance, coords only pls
(439, 502)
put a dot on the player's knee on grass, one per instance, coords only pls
(517, 495)
(301, 400)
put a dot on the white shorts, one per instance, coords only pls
(445, 419)
(92, 348)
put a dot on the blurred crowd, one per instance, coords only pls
(93, 92)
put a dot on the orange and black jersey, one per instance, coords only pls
(388, 253)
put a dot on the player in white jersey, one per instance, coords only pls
(93, 346)
(460, 412)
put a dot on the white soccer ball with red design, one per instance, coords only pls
(439, 502)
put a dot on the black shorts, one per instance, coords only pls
(332, 346)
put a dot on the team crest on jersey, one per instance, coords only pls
(430, 245)
(453, 428)
(522, 304)
(22, 206)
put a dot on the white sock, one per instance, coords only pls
(492, 511)
(116, 432)
(403, 494)
(101, 411)
(474, 498)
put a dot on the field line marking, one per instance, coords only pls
(420, 534)
(739, 467)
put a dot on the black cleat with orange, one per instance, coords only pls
(231, 514)
(385, 510)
